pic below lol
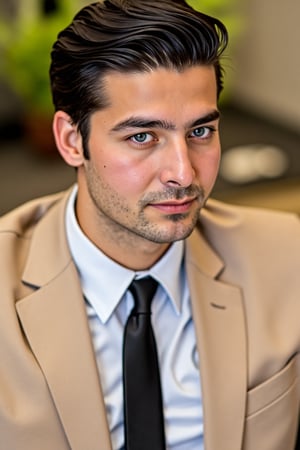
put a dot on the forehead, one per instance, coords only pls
(161, 90)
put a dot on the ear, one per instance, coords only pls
(68, 139)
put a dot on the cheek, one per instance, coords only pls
(208, 166)
(215, 161)
(125, 176)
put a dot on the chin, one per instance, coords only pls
(167, 237)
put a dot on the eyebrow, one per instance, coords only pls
(210, 117)
(143, 122)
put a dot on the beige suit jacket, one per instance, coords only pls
(243, 268)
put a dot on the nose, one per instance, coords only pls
(177, 166)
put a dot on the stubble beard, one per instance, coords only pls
(152, 231)
(125, 226)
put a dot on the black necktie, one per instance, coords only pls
(143, 411)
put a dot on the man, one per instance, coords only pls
(135, 86)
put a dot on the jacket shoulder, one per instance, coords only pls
(239, 233)
(234, 218)
(17, 229)
(21, 220)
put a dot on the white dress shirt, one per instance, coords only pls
(108, 304)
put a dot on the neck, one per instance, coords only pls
(133, 257)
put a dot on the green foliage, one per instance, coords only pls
(25, 47)
(229, 13)
(225, 10)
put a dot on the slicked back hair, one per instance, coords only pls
(128, 36)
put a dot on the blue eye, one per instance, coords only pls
(199, 131)
(202, 132)
(141, 138)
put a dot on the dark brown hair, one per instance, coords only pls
(128, 36)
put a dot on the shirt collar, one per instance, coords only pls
(104, 281)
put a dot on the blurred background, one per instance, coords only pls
(260, 107)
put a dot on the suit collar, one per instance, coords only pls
(200, 254)
(49, 253)
(221, 339)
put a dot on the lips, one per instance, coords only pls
(174, 207)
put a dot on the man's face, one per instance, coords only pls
(154, 156)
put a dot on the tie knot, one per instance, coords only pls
(143, 291)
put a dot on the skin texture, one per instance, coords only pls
(154, 158)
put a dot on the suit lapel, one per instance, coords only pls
(221, 338)
(54, 320)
